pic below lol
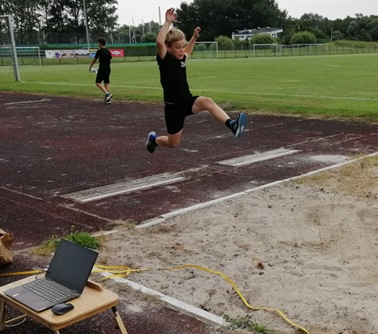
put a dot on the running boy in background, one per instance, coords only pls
(103, 74)
(173, 50)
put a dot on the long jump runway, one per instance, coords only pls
(77, 164)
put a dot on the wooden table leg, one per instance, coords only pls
(119, 320)
(2, 315)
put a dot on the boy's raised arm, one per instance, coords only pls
(170, 17)
(189, 47)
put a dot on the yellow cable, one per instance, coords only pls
(239, 293)
(32, 272)
(124, 271)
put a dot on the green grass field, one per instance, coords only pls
(329, 86)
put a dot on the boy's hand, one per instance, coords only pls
(196, 32)
(170, 15)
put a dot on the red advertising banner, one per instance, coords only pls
(117, 52)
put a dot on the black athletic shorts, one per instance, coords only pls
(103, 75)
(175, 114)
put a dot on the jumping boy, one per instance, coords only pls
(173, 50)
(103, 74)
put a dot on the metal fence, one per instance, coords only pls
(147, 52)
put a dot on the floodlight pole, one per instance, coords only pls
(86, 25)
(13, 46)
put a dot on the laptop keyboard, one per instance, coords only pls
(50, 290)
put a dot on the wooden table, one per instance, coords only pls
(94, 299)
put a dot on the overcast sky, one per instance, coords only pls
(148, 10)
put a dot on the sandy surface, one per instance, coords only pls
(306, 247)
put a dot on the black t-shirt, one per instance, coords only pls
(173, 79)
(104, 56)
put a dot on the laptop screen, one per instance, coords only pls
(71, 265)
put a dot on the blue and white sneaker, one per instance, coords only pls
(151, 143)
(238, 125)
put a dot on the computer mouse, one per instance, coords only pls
(63, 308)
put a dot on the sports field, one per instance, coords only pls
(332, 86)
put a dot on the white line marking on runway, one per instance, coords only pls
(316, 140)
(94, 194)
(252, 158)
(162, 218)
(27, 102)
(170, 300)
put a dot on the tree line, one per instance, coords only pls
(41, 21)
(64, 21)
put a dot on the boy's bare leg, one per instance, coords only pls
(101, 87)
(206, 103)
(105, 89)
(201, 104)
(236, 126)
(170, 140)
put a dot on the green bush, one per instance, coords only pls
(148, 38)
(303, 37)
(262, 39)
(225, 43)
(82, 238)
(200, 47)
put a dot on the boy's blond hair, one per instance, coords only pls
(174, 35)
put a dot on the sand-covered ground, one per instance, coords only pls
(307, 247)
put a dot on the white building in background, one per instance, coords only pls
(245, 34)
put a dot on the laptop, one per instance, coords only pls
(65, 278)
